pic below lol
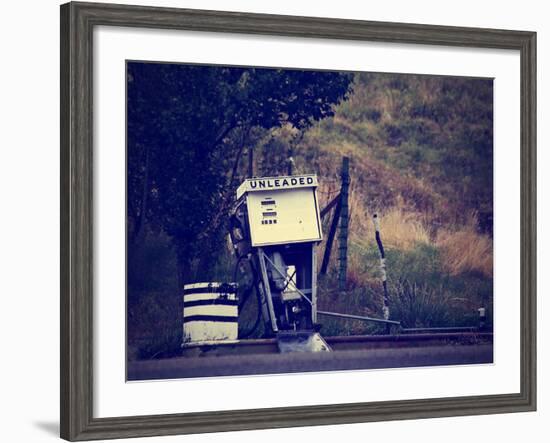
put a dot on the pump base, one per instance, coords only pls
(301, 341)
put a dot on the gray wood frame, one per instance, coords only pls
(77, 24)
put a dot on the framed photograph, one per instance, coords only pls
(273, 221)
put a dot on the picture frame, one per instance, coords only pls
(77, 214)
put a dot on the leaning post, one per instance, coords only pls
(386, 302)
(330, 238)
(344, 222)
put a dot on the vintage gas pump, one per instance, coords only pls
(276, 224)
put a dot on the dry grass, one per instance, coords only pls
(399, 228)
(466, 250)
(462, 248)
(402, 230)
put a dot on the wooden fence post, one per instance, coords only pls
(344, 222)
(330, 238)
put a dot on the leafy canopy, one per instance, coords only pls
(181, 120)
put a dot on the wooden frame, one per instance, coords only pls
(77, 23)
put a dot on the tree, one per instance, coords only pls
(187, 129)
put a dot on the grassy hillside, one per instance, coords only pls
(426, 139)
(421, 151)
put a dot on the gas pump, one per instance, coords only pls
(277, 226)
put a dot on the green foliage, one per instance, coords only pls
(165, 343)
(157, 248)
(363, 299)
(187, 126)
(421, 265)
(419, 305)
(154, 324)
(421, 292)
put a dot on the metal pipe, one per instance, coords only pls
(313, 284)
(358, 317)
(443, 329)
(273, 266)
(267, 290)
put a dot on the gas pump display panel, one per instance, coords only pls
(284, 216)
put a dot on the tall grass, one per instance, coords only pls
(466, 250)
(463, 249)
(436, 276)
(419, 305)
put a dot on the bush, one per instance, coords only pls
(418, 305)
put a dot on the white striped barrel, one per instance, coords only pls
(210, 312)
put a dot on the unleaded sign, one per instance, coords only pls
(276, 183)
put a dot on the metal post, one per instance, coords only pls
(385, 307)
(482, 318)
(267, 290)
(344, 221)
(313, 283)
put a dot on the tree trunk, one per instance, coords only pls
(142, 214)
